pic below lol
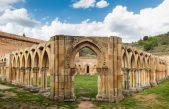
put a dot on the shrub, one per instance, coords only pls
(145, 38)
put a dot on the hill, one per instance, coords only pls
(158, 45)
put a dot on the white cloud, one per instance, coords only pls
(102, 4)
(84, 4)
(6, 4)
(90, 3)
(18, 16)
(120, 21)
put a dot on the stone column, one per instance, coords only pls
(102, 84)
(17, 74)
(28, 76)
(115, 65)
(126, 91)
(22, 70)
(72, 75)
(44, 71)
(35, 76)
(13, 74)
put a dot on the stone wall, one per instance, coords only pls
(85, 65)
(12, 42)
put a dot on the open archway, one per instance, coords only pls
(36, 70)
(125, 72)
(132, 72)
(18, 69)
(23, 70)
(45, 76)
(28, 70)
(86, 57)
(13, 75)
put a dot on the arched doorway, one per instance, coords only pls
(125, 73)
(22, 70)
(45, 76)
(28, 70)
(98, 83)
(18, 69)
(36, 70)
(133, 73)
(86, 77)
(13, 75)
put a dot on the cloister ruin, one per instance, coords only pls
(122, 70)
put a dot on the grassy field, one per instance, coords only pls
(85, 86)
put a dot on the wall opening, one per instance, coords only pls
(86, 84)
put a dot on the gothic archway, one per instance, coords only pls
(36, 70)
(45, 76)
(100, 60)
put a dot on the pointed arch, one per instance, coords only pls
(124, 60)
(45, 60)
(89, 45)
(29, 61)
(36, 60)
(132, 61)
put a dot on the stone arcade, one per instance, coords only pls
(121, 70)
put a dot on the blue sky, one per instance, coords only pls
(50, 9)
(129, 19)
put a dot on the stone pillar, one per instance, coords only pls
(126, 91)
(44, 71)
(58, 69)
(23, 78)
(102, 84)
(28, 76)
(115, 66)
(17, 75)
(35, 76)
(13, 74)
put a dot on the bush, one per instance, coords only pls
(145, 38)
(151, 43)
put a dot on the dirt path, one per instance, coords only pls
(4, 87)
(86, 105)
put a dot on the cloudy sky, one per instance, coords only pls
(129, 19)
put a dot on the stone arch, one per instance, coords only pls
(91, 46)
(36, 60)
(23, 61)
(45, 60)
(36, 67)
(138, 71)
(14, 64)
(45, 74)
(100, 64)
(29, 61)
(18, 69)
(125, 65)
(132, 71)
(29, 69)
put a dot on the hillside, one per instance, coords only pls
(158, 45)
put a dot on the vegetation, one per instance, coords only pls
(86, 86)
(153, 98)
(154, 44)
(87, 53)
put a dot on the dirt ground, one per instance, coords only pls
(86, 105)
(4, 87)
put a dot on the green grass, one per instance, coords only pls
(86, 86)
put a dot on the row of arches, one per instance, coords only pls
(31, 67)
(140, 69)
(118, 68)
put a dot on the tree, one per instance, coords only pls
(145, 38)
